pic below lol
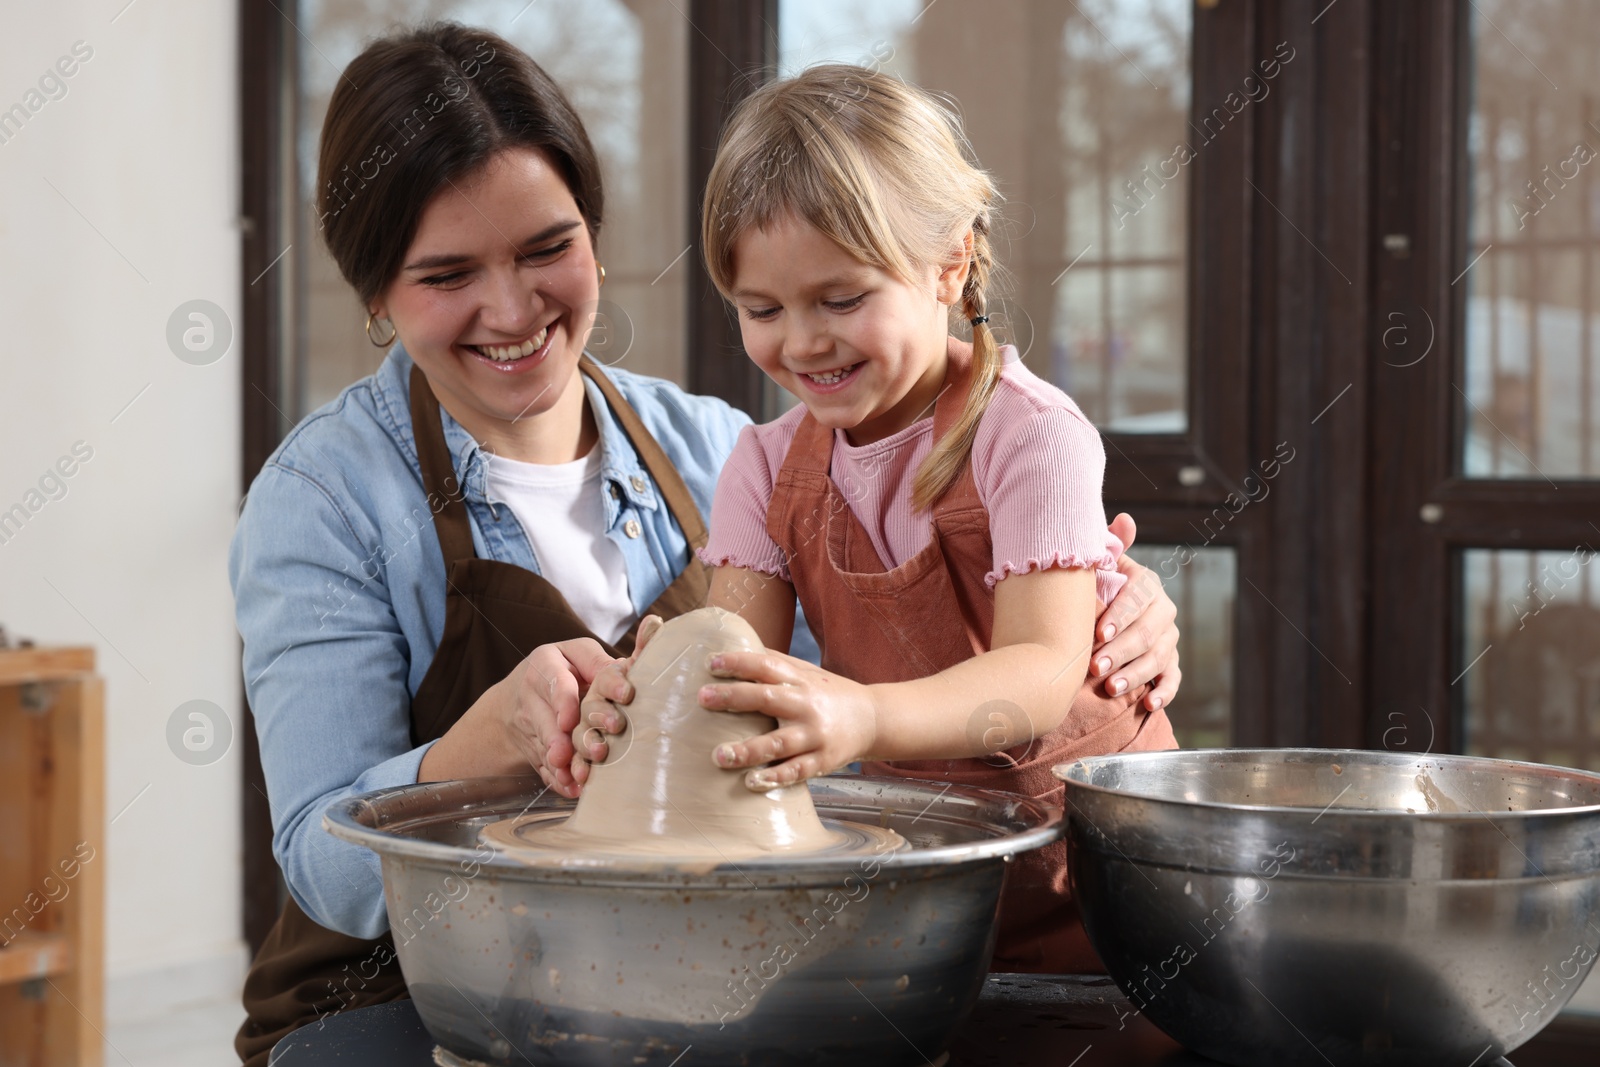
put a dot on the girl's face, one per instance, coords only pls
(495, 296)
(863, 349)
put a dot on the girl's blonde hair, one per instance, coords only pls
(883, 169)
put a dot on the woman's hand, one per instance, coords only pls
(824, 721)
(526, 719)
(1137, 634)
(545, 704)
(599, 713)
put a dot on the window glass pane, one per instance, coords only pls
(1529, 265)
(1203, 590)
(624, 66)
(1531, 656)
(1080, 110)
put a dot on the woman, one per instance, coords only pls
(432, 568)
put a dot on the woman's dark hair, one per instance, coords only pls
(424, 107)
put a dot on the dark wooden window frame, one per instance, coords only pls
(733, 48)
(266, 116)
(1424, 82)
(1278, 305)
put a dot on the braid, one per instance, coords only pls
(952, 451)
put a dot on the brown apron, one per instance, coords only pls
(930, 613)
(495, 615)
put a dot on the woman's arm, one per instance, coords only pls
(325, 668)
(1039, 652)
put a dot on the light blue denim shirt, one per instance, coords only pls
(340, 593)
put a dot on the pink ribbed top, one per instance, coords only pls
(1037, 462)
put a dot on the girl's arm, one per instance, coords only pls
(766, 603)
(1040, 650)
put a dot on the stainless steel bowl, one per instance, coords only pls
(1301, 906)
(825, 959)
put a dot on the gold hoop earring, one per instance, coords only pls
(602, 271)
(393, 333)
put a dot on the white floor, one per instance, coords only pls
(182, 1016)
(199, 1035)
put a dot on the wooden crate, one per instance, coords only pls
(52, 858)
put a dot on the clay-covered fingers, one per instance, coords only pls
(790, 771)
(647, 629)
(544, 689)
(600, 713)
(763, 682)
(589, 748)
(555, 765)
(824, 720)
(796, 743)
(611, 683)
(598, 720)
(763, 748)
(777, 699)
(770, 667)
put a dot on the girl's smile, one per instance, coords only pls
(833, 380)
(864, 349)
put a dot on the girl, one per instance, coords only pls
(933, 505)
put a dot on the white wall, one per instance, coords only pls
(118, 202)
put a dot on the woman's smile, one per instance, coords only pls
(513, 356)
(494, 306)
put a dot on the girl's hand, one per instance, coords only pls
(1137, 634)
(824, 721)
(599, 714)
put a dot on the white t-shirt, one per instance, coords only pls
(561, 508)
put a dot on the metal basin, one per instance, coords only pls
(828, 959)
(1301, 906)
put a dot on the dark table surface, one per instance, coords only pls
(1021, 1021)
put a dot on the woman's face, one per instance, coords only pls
(496, 295)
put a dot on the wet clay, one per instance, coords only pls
(659, 793)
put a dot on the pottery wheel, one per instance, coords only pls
(659, 794)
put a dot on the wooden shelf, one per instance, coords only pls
(52, 866)
(34, 955)
(19, 666)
